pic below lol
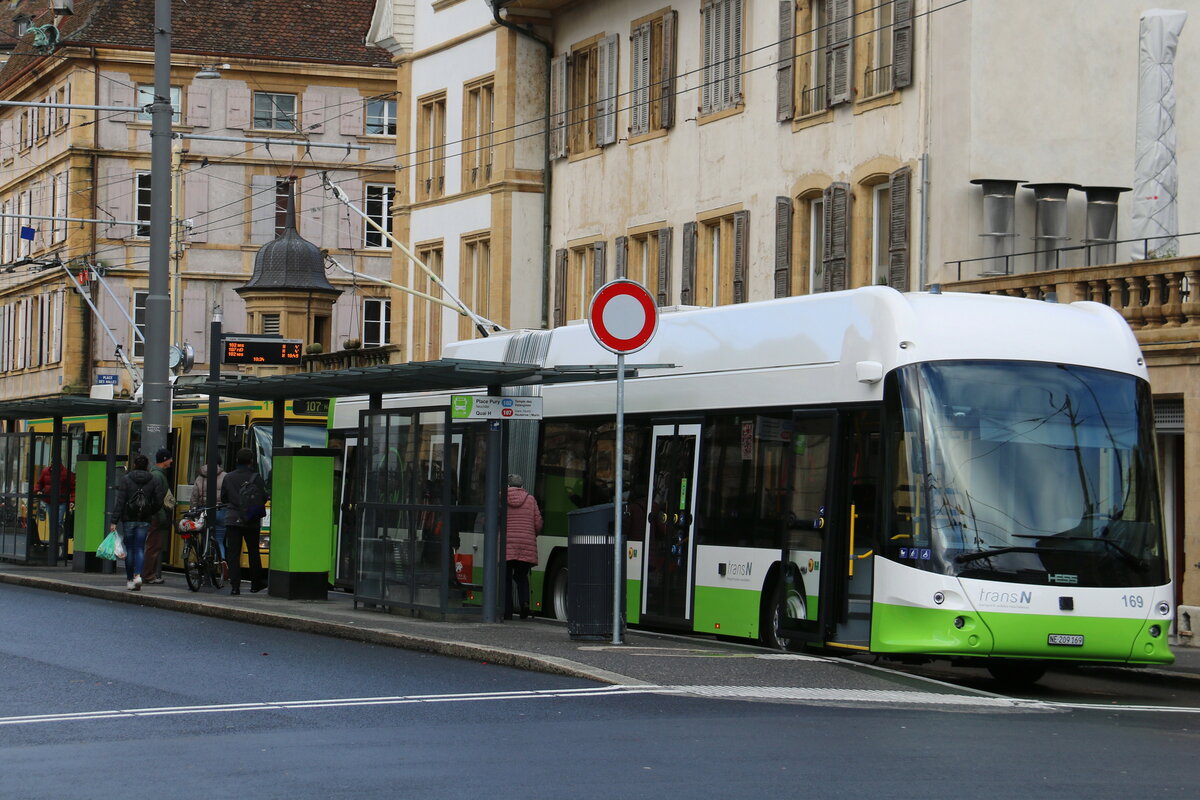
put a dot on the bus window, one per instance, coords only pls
(293, 436)
(746, 480)
(197, 449)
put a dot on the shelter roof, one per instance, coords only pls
(63, 405)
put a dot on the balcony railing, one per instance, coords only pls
(813, 101)
(345, 359)
(1081, 255)
(877, 81)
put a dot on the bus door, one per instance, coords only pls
(346, 546)
(669, 551)
(859, 471)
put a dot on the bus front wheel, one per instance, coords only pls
(785, 601)
(557, 593)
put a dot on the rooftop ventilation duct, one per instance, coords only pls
(1050, 222)
(999, 222)
(1100, 230)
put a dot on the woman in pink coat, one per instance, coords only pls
(520, 552)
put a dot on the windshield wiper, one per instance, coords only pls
(963, 558)
(1129, 558)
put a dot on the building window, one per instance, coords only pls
(721, 260)
(649, 261)
(812, 249)
(427, 316)
(281, 206)
(887, 51)
(381, 117)
(275, 111)
(24, 209)
(139, 324)
(880, 222)
(58, 201)
(378, 208)
(582, 272)
(877, 72)
(478, 124)
(431, 146)
(652, 74)
(270, 324)
(377, 322)
(7, 227)
(63, 97)
(145, 96)
(142, 204)
(813, 63)
(721, 25)
(475, 280)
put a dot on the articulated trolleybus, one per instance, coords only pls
(912, 475)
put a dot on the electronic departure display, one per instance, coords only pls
(262, 351)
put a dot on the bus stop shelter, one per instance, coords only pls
(405, 527)
(21, 462)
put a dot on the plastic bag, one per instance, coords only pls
(119, 548)
(108, 548)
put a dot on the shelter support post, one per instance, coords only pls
(491, 516)
(53, 515)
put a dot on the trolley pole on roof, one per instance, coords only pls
(156, 391)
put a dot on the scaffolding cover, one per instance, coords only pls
(1156, 176)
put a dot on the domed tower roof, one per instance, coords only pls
(289, 262)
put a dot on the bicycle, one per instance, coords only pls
(202, 560)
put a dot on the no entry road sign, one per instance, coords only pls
(623, 316)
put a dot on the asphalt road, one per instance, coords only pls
(108, 700)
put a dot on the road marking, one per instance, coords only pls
(687, 652)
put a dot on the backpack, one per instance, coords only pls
(252, 499)
(139, 506)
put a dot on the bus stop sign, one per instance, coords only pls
(623, 316)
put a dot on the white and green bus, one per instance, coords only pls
(917, 476)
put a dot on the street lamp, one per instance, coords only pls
(210, 72)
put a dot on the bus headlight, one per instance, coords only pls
(1155, 631)
(959, 622)
(1164, 609)
(939, 598)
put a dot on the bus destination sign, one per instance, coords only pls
(262, 351)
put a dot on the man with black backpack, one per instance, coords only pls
(245, 496)
(139, 497)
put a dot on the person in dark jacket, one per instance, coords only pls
(135, 525)
(242, 522)
(524, 523)
(160, 524)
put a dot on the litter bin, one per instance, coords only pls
(590, 581)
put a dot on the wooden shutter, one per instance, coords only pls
(119, 187)
(687, 277)
(639, 71)
(8, 145)
(665, 235)
(560, 287)
(836, 219)
(195, 205)
(350, 118)
(313, 112)
(666, 101)
(785, 78)
(599, 264)
(783, 246)
(621, 257)
(902, 44)
(558, 107)
(733, 63)
(898, 193)
(708, 76)
(741, 254)
(606, 106)
(237, 108)
(841, 50)
(262, 209)
(198, 106)
(119, 94)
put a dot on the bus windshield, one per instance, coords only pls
(293, 436)
(1026, 472)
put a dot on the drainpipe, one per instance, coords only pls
(546, 179)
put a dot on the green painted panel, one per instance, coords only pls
(90, 527)
(729, 612)
(302, 513)
(633, 602)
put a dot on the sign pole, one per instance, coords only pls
(618, 629)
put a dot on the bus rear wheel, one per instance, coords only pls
(556, 593)
(1016, 674)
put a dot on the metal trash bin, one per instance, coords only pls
(590, 576)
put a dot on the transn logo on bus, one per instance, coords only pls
(1072, 579)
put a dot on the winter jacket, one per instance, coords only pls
(163, 515)
(129, 484)
(230, 493)
(200, 487)
(66, 484)
(524, 524)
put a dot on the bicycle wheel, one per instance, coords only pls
(191, 567)
(212, 560)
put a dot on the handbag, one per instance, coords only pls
(108, 548)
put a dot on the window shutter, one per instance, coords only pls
(198, 105)
(733, 63)
(639, 67)
(119, 185)
(195, 205)
(836, 221)
(56, 322)
(786, 75)
(902, 32)
(708, 15)
(7, 145)
(350, 119)
(349, 224)
(237, 108)
(665, 235)
(262, 209)
(606, 107)
(560, 287)
(313, 111)
(898, 229)
(119, 94)
(741, 253)
(841, 48)
(621, 256)
(687, 279)
(783, 246)
(599, 264)
(558, 107)
(666, 102)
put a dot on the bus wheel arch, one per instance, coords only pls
(785, 597)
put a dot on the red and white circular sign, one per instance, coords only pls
(623, 316)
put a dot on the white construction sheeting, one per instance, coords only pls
(1156, 176)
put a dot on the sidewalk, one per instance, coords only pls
(537, 644)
